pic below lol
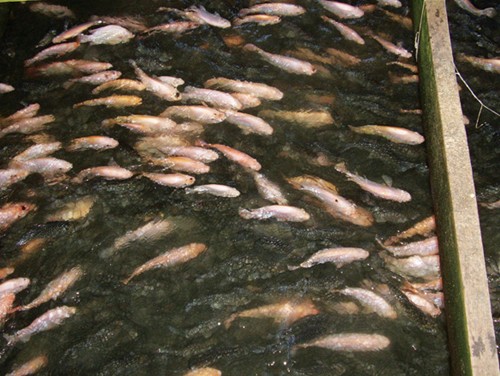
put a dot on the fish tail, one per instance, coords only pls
(68, 84)
(245, 213)
(188, 190)
(18, 308)
(251, 47)
(11, 339)
(128, 279)
(201, 143)
(341, 167)
(229, 321)
(293, 267)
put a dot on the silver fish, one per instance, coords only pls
(13, 286)
(426, 247)
(259, 19)
(68, 67)
(218, 190)
(420, 301)
(278, 212)
(391, 47)
(55, 288)
(286, 63)
(110, 34)
(183, 164)
(371, 301)
(24, 113)
(338, 256)
(350, 342)
(342, 10)
(258, 89)
(214, 98)
(269, 190)
(94, 79)
(49, 320)
(247, 100)
(469, 7)
(6, 88)
(394, 134)
(170, 258)
(426, 267)
(489, 65)
(52, 10)
(156, 86)
(194, 152)
(11, 176)
(174, 81)
(28, 125)
(38, 151)
(176, 180)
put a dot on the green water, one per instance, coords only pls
(166, 321)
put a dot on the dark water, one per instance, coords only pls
(166, 321)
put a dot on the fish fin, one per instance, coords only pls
(68, 84)
(387, 180)
(293, 267)
(201, 143)
(229, 321)
(380, 242)
(341, 167)
(245, 213)
(127, 280)
(108, 252)
(11, 339)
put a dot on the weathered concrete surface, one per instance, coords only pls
(468, 312)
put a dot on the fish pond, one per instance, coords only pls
(169, 320)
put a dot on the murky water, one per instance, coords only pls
(168, 320)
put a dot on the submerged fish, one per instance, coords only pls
(424, 228)
(92, 143)
(201, 114)
(49, 167)
(13, 286)
(176, 28)
(30, 367)
(110, 34)
(170, 258)
(134, 24)
(201, 15)
(214, 98)
(371, 301)
(73, 211)
(12, 212)
(94, 79)
(74, 31)
(391, 47)
(69, 67)
(426, 267)
(28, 125)
(52, 51)
(258, 89)
(194, 152)
(206, 371)
(6, 88)
(123, 84)
(269, 190)
(24, 113)
(176, 180)
(423, 303)
(116, 101)
(342, 10)
(11, 176)
(469, 7)
(234, 155)
(249, 123)
(278, 212)
(286, 63)
(346, 31)
(49, 320)
(338, 256)
(424, 247)
(38, 151)
(259, 19)
(307, 118)
(52, 10)
(349, 342)
(247, 100)
(489, 65)
(55, 288)
(273, 9)
(379, 190)
(214, 190)
(284, 313)
(183, 164)
(6, 303)
(105, 172)
(157, 87)
(394, 134)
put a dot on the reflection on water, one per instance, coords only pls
(168, 320)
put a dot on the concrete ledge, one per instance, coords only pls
(468, 313)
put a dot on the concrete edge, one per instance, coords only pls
(471, 336)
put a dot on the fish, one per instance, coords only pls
(273, 9)
(269, 190)
(104, 172)
(284, 313)
(286, 63)
(342, 10)
(48, 167)
(175, 180)
(234, 155)
(469, 7)
(72, 67)
(349, 342)
(307, 118)
(6, 271)
(73, 210)
(338, 256)
(403, 79)
(425, 267)
(249, 123)
(177, 27)
(342, 58)
(24, 113)
(389, 3)
(12, 176)
(134, 24)
(205, 371)
(12, 212)
(154, 85)
(257, 89)
(122, 84)
(200, 15)
(247, 100)
(201, 114)
(110, 34)
(214, 98)
(391, 47)
(75, 31)
(426, 247)
(49, 320)
(149, 232)
(94, 79)
(153, 123)
(6, 88)
(218, 190)
(52, 10)
(490, 205)
(403, 21)
(420, 301)
(28, 125)
(259, 19)
(97, 143)
(30, 367)
(6, 303)
(335, 205)
(38, 151)
(278, 212)
(491, 65)
(411, 67)
(170, 258)
(435, 284)
(394, 134)
(194, 152)
(13, 286)
(116, 101)
(55, 288)
(183, 164)
(171, 80)
(52, 51)
(371, 301)
(423, 227)
(376, 189)
(346, 31)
